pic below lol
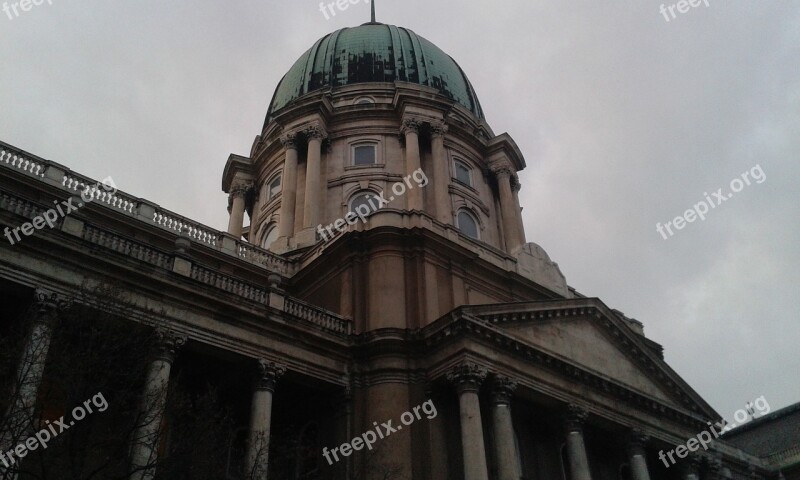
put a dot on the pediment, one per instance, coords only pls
(586, 333)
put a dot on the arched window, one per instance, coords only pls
(365, 154)
(463, 173)
(270, 236)
(274, 187)
(364, 101)
(467, 224)
(366, 198)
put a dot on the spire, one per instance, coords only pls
(373, 11)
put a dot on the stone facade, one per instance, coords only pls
(530, 379)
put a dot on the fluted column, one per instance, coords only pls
(515, 187)
(236, 220)
(315, 135)
(467, 379)
(441, 174)
(18, 423)
(289, 187)
(145, 440)
(504, 171)
(576, 447)
(504, 444)
(410, 130)
(637, 441)
(261, 418)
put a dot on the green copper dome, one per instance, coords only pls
(374, 52)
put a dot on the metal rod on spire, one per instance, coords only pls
(373, 11)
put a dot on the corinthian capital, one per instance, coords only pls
(467, 376)
(289, 140)
(410, 125)
(267, 374)
(502, 167)
(637, 441)
(439, 129)
(574, 418)
(47, 304)
(315, 131)
(239, 190)
(168, 343)
(503, 390)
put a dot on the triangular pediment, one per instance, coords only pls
(589, 335)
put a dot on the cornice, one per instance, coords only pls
(461, 325)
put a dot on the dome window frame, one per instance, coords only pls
(270, 229)
(466, 177)
(373, 209)
(377, 154)
(363, 101)
(473, 218)
(274, 191)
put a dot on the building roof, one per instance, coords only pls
(374, 52)
(770, 434)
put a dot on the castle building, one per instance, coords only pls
(384, 272)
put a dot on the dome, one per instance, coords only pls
(374, 52)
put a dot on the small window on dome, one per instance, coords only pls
(274, 188)
(368, 199)
(270, 236)
(364, 155)
(467, 224)
(463, 173)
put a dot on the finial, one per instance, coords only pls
(373, 11)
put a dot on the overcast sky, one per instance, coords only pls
(625, 120)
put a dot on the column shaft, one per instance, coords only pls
(637, 454)
(576, 447)
(413, 162)
(147, 433)
(441, 175)
(289, 189)
(19, 421)
(313, 172)
(508, 207)
(521, 240)
(467, 378)
(508, 465)
(261, 419)
(236, 221)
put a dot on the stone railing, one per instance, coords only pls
(140, 209)
(229, 284)
(127, 247)
(317, 316)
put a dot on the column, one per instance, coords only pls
(437, 437)
(315, 135)
(145, 440)
(576, 447)
(690, 467)
(503, 171)
(467, 379)
(441, 174)
(638, 455)
(261, 418)
(236, 221)
(19, 420)
(289, 187)
(410, 129)
(515, 187)
(505, 448)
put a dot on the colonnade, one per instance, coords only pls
(147, 433)
(442, 208)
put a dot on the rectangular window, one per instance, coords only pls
(364, 155)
